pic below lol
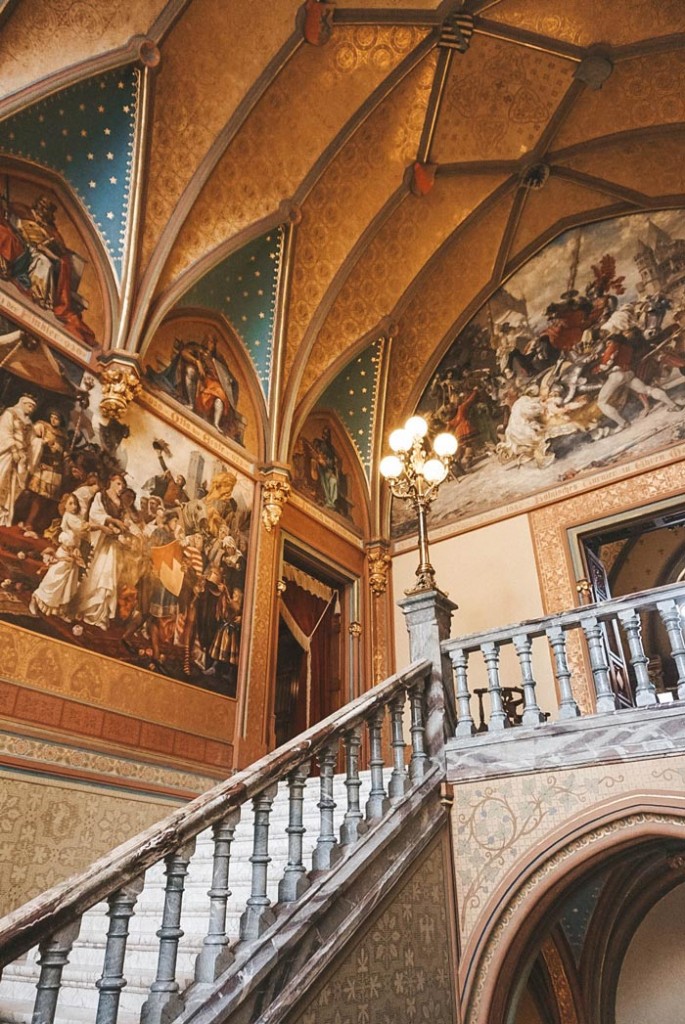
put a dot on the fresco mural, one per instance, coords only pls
(125, 539)
(576, 365)
(322, 468)
(191, 361)
(45, 260)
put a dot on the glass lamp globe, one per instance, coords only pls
(445, 445)
(434, 471)
(416, 426)
(390, 467)
(400, 440)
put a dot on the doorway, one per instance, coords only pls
(622, 556)
(312, 662)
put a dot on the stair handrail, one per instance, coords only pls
(26, 926)
(602, 610)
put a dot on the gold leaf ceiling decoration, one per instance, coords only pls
(402, 165)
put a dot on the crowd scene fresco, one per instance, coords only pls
(121, 538)
(577, 364)
(197, 374)
(38, 261)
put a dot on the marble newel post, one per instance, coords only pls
(428, 614)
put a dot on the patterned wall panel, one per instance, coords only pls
(273, 144)
(44, 36)
(497, 101)
(557, 200)
(450, 284)
(571, 23)
(85, 133)
(649, 165)
(392, 259)
(209, 60)
(50, 829)
(638, 93)
(352, 189)
(402, 967)
(496, 826)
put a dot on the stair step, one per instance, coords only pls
(78, 997)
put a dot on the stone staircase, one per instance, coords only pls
(78, 996)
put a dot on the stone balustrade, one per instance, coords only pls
(616, 685)
(116, 882)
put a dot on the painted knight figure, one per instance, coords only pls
(577, 364)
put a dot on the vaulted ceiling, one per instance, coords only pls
(420, 154)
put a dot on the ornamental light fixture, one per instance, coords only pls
(414, 473)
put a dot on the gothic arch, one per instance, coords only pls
(524, 903)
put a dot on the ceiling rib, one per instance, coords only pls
(674, 127)
(568, 101)
(648, 47)
(173, 10)
(530, 40)
(434, 104)
(479, 167)
(609, 188)
(509, 231)
(385, 16)
(478, 6)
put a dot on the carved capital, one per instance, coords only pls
(355, 629)
(275, 492)
(120, 385)
(379, 564)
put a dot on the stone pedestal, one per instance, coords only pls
(428, 614)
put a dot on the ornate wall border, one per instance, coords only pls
(531, 888)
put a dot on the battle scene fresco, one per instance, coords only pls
(45, 262)
(191, 361)
(122, 538)
(575, 366)
(323, 470)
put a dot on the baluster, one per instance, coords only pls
(498, 718)
(353, 825)
(164, 990)
(327, 852)
(215, 955)
(295, 881)
(465, 723)
(258, 914)
(419, 763)
(645, 693)
(606, 699)
(399, 780)
(378, 803)
(672, 620)
(568, 706)
(121, 908)
(54, 955)
(532, 715)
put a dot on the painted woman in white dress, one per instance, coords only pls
(96, 600)
(60, 583)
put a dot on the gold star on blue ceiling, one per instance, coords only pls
(85, 132)
(243, 287)
(353, 395)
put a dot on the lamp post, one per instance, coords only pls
(414, 473)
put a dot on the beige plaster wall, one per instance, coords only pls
(491, 574)
(651, 986)
(52, 828)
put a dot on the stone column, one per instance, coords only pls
(428, 614)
